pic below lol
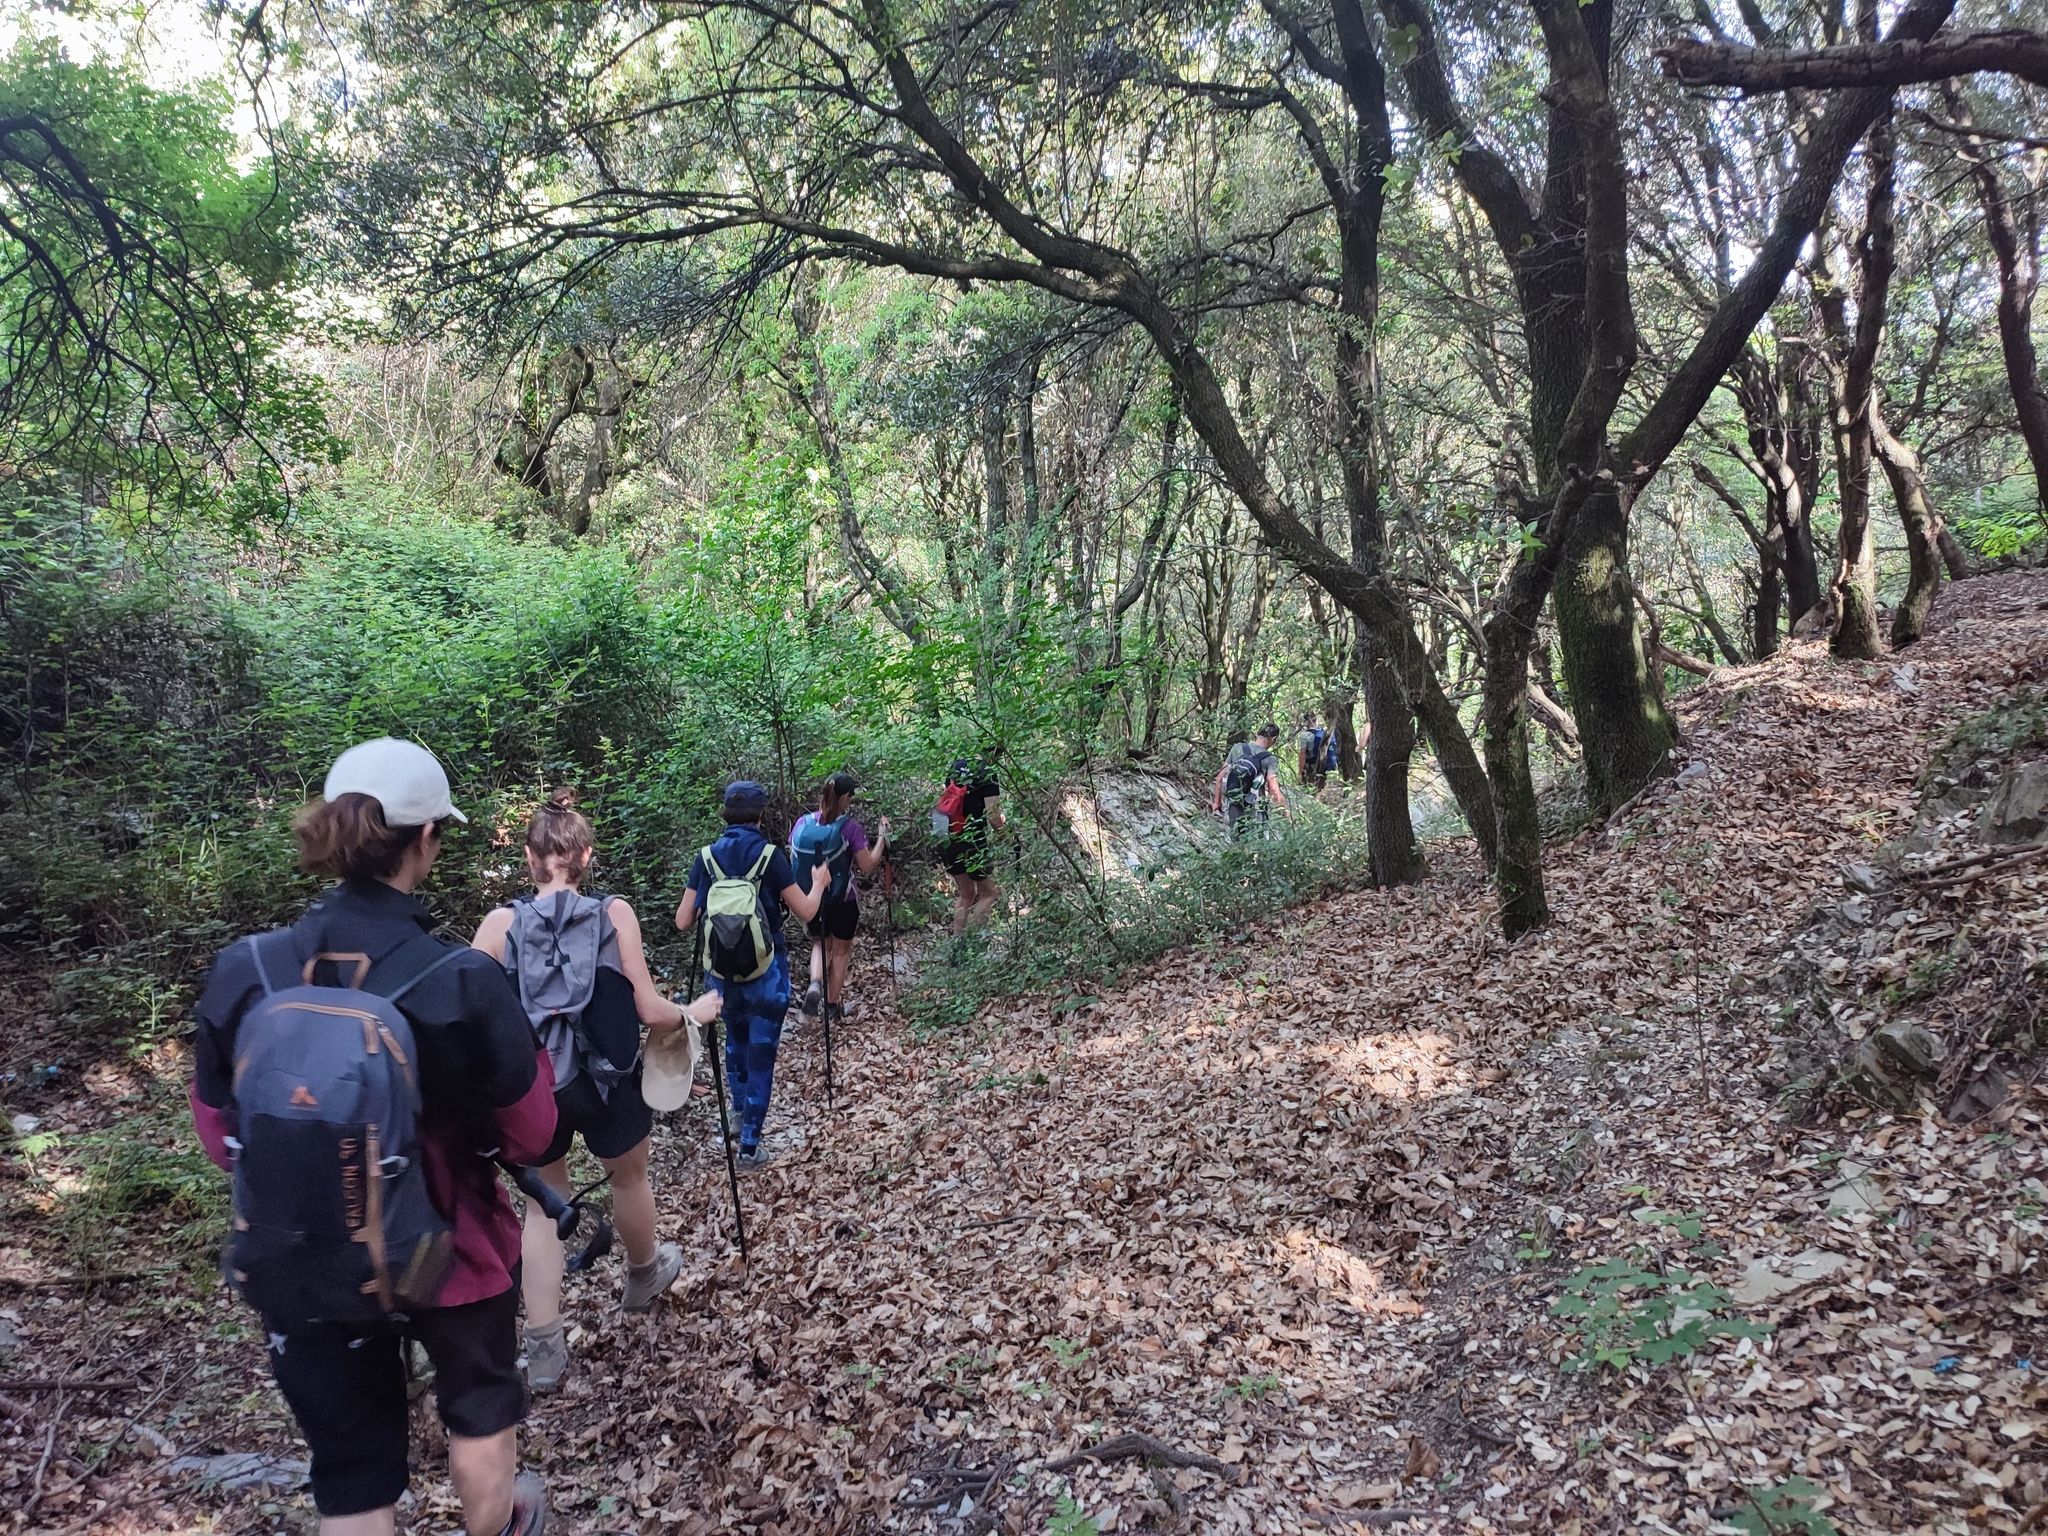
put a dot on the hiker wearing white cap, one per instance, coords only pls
(347, 1070)
(580, 967)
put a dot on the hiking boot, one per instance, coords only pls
(814, 999)
(547, 1357)
(755, 1156)
(644, 1289)
(835, 1013)
(529, 1506)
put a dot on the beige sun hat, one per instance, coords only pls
(668, 1066)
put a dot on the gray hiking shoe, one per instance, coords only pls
(814, 999)
(547, 1357)
(753, 1157)
(529, 1505)
(644, 1290)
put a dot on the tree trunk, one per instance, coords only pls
(1917, 516)
(2019, 277)
(1389, 826)
(1856, 634)
(1624, 727)
(1770, 593)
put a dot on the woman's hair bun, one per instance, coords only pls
(563, 799)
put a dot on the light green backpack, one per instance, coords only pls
(738, 946)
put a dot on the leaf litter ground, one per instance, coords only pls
(1274, 1228)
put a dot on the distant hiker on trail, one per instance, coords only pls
(740, 884)
(830, 836)
(967, 814)
(1249, 777)
(348, 1069)
(1313, 747)
(580, 968)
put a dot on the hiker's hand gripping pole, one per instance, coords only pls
(566, 1211)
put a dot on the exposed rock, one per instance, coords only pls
(2018, 812)
(1909, 1048)
(1767, 1278)
(1981, 1095)
(1858, 1192)
(1862, 877)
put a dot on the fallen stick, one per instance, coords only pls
(45, 1384)
(1967, 861)
(1128, 1447)
(1988, 870)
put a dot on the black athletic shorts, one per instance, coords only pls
(968, 855)
(346, 1385)
(839, 920)
(609, 1127)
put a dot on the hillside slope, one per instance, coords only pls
(1298, 1206)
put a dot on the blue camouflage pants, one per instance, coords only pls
(753, 1029)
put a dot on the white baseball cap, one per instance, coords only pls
(403, 777)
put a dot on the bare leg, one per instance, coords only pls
(375, 1522)
(633, 1204)
(541, 1259)
(963, 901)
(482, 1471)
(818, 961)
(837, 953)
(985, 894)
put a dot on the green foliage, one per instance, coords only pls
(2006, 521)
(1253, 1389)
(1791, 1506)
(1068, 1353)
(1638, 1309)
(1069, 1519)
(1082, 926)
(143, 1179)
(144, 304)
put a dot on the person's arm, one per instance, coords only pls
(1273, 788)
(805, 903)
(1216, 799)
(994, 807)
(686, 909)
(656, 1011)
(868, 857)
(221, 1004)
(507, 1067)
(491, 933)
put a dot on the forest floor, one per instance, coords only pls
(1298, 1206)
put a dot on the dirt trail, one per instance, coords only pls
(1300, 1204)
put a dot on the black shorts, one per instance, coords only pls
(609, 1127)
(968, 855)
(840, 920)
(346, 1385)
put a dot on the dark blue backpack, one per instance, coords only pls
(823, 842)
(1329, 752)
(333, 1221)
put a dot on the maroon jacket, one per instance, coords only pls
(483, 1076)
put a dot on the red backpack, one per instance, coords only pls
(949, 816)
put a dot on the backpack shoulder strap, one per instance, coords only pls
(711, 864)
(761, 864)
(409, 965)
(278, 944)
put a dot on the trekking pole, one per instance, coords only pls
(889, 923)
(711, 1049)
(828, 1045)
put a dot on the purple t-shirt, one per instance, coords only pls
(854, 835)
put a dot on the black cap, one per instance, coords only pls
(745, 800)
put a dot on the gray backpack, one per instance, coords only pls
(558, 946)
(333, 1221)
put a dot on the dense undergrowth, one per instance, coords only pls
(165, 711)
